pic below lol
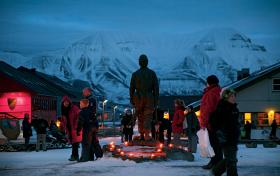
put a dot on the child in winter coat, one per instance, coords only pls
(177, 123)
(193, 127)
(127, 125)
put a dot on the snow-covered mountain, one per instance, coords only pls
(182, 62)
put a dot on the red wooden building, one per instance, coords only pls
(25, 90)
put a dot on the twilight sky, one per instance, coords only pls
(34, 25)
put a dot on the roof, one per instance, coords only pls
(36, 82)
(60, 84)
(248, 81)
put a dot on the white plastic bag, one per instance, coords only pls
(205, 148)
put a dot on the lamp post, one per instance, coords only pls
(114, 120)
(103, 112)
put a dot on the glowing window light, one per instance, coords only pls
(166, 115)
(197, 113)
(248, 117)
(271, 114)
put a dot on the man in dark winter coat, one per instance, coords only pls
(87, 93)
(248, 128)
(144, 93)
(227, 128)
(27, 130)
(40, 126)
(88, 123)
(208, 105)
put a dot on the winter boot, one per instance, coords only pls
(73, 158)
(208, 166)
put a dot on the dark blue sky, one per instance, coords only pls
(49, 24)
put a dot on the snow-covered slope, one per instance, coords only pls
(107, 59)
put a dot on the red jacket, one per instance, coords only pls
(73, 118)
(209, 104)
(178, 119)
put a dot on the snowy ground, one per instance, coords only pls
(259, 161)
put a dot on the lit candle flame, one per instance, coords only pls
(159, 150)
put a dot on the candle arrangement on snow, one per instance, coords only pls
(140, 153)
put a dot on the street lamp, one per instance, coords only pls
(103, 112)
(114, 120)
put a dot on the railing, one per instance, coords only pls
(7, 115)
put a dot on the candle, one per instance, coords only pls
(159, 150)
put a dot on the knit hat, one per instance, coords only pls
(143, 60)
(212, 80)
(227, 93)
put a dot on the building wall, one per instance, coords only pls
(259, 97)
(22, 104)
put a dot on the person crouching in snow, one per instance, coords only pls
(70, 114)
(177, 123)
(127, 124)
(88, 123)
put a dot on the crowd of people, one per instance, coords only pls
(219, 115)
(80, 125)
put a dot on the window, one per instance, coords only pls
(248, 117)
(276, 84)
(263, 119)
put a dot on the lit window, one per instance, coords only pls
(271, 114)
(276, 84)
(248, 117)
(263, 119)
(166, 115)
